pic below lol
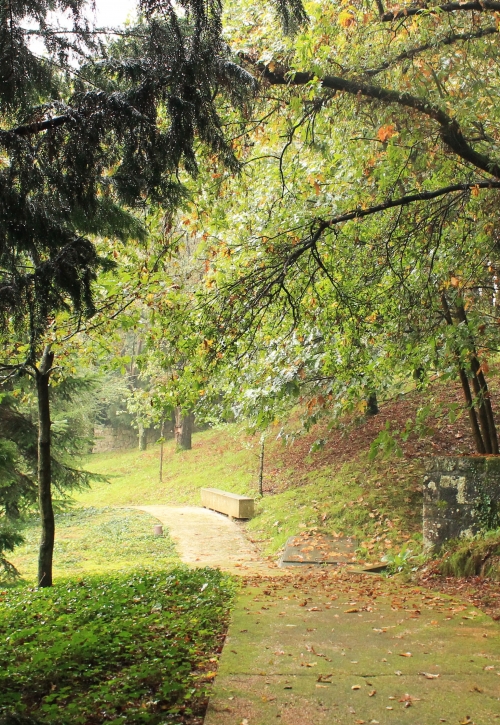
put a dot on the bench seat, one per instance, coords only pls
(238, 507)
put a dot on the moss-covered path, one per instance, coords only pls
(331, 647)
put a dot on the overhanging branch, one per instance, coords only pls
(406, 201)
(31, 128)
(451, 133)
(478, 5)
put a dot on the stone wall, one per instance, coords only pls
(456, 490)
(108, 438)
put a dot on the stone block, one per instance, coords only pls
(231, 504)
(453, 489)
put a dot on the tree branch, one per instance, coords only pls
(451, 133)
(447, 40)
(38, 126)
(479, 5)
(406, 200)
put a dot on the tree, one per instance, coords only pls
(72, 413)
(379, 203)
(79, 144)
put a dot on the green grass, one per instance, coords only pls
(127, 649)
(93, 541)
(377, 503)
(220, 458)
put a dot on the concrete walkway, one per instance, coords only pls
(314, 647)
(206, 538)
(352, 650)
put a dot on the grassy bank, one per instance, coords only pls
(379, 502)
(221, 457)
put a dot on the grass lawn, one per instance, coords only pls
(220, 458)
(97, 541)
(379, 503)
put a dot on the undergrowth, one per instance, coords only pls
(124, 649)
(477, 556)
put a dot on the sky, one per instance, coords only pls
(114, 12)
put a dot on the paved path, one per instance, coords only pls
(311, 647)
(206, 538)
(353, 649)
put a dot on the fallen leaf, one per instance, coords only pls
(356, 687)
(350, 611)
(372, 693)
(429, 675)
(405, 654)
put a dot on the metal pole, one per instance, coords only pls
(161, 449)
(261, 468)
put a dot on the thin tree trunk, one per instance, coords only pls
(372, 404)
(481, 389)
(162, 435)
(476, 432)
(143, 442)
(261, 466)
(183, 429)
(44, 471)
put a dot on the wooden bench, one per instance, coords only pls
(238, 507)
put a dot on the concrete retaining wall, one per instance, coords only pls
(456, 492)
(116, 439)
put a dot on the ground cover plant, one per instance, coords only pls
(97, 540)
(126, 648)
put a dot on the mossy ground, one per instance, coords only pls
(478, 556)
(328, 647)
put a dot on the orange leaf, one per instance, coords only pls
(386, 132)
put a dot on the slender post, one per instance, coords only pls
(261, 465)
(161, 448)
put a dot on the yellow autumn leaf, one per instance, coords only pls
(386, 132)
(346, 18)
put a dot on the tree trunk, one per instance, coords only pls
(481, 390)
(372, 404)
(44, 470)
(162, 438)
(143, 441)
(476, 432)
(183, 429)
(261, 466)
